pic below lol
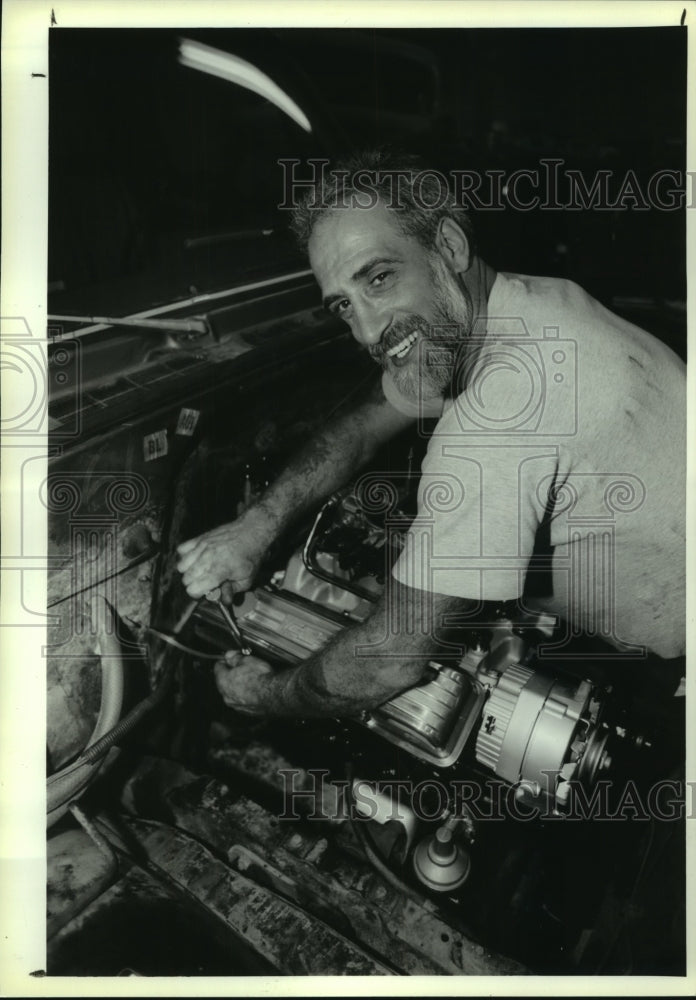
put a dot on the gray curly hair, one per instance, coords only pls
(419, 197)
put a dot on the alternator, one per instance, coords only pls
(534, 731)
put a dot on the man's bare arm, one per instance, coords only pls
(234, 551)
(339, 450)
(359, 669)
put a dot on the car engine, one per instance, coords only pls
(492, 819)
(507, 749)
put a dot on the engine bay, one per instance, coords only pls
(523, 805)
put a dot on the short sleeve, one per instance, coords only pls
(480, 504)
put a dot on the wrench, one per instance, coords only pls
(215, 597)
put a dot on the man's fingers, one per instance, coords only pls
(189, 558)
(200, 586)
(223, 669)
(220, 671)
(201, 583)
(220, 555)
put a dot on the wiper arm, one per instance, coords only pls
(195, 324)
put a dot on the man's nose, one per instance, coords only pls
(370, 325)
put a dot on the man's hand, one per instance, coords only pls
(233, 552)
(242, 682)
(346, 676)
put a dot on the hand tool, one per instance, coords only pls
(215, 596)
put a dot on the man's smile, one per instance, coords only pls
(399, 352)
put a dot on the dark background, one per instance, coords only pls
(158, 172)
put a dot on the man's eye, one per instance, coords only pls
(340, 309)
(380, 278)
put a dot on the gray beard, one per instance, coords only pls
(441, 345)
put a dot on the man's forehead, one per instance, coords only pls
(353, 225)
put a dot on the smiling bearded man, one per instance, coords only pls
(425, 357)
(557, 421)
(409, 303)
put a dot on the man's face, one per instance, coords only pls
(402, 302)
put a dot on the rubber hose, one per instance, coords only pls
(63, 787)
(97, 750)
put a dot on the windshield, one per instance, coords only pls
(163, 150)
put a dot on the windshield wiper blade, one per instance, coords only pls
(195, 324)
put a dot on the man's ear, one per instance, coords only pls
(453, 245)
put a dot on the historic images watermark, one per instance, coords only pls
(551, 185)
(313, 795)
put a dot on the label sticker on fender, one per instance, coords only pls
(187, 421)
(155, 445)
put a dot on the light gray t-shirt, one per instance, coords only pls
(572, 424)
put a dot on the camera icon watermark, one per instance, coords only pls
(25, 385)
(64, 373)
(518, 384)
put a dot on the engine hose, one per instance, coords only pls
(71, 781)
(171, 641)
(96, 751)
